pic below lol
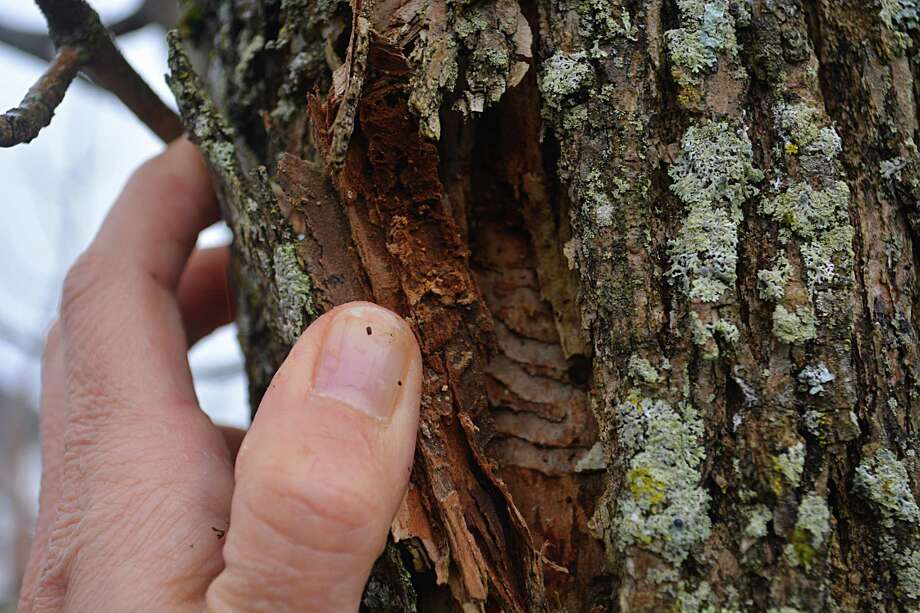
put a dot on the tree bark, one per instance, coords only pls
(660, 259)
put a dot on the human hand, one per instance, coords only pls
(138, 485)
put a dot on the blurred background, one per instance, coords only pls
(54, 193)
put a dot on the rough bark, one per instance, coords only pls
(660, 259)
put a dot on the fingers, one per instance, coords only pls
(144, 475)
(324, 467)
(52, 416)
(234, 438)
(156, 221)
(204, 295)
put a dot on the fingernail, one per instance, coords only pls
(363, 360)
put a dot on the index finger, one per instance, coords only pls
(159, 214)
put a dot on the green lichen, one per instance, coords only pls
(726, 330)
(488, 34)
(804, 211)
(757, 519)
(295, 299)
(436, 72)
(641, 369)
(814, 210)
(664, 509)
(907, 569)
(704, 335)
(707, 32)
(771, 282)
(788, 467)
(492, 38)
(713, 176)
(564, 75)
(811, 530)
(699, 600)
(901, 15)
(794, 328)
(882, 478)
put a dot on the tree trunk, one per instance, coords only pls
(660, 259)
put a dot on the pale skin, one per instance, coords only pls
(145, 504)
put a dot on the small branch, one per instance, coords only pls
(161, 12)
(37, 45)
(23, 123)
(74, 25)
(74, 22)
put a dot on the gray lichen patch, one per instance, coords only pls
(663, 508)
(706, 335)
(812, 528)
(789, 465)
(641, 370)
(707, 32)
(757, 519)
(900, 15)
(794, 327)
(771, 282)
(882, 479)
(436, 72)
(294, 293)
(805, 212)
(713, 176)
(815, 377)
(814, 210)
(563, 76)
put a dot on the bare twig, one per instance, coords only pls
(22, 124)
(33, 43)
(73, 24)
(162, 12)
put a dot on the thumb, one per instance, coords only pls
(324, 467)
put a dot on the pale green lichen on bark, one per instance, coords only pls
(294, 292)
(881, 478)
(713, 176)
(642, 370)
(813, 211)
(706, 335)
(812, 528)
(707, 32)
(757, 519)
(900, 14)
(794, 327)
(772, 281)
(791, 463)
(562, 76)
(664, 509)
